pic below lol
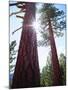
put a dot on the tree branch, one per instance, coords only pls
(21, 6)
(14, 4)
(61, 17)
(16, 30)
(43, 43)
(14, 13)
(19, 17)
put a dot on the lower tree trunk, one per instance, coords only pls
(27, 68)
(55, 62)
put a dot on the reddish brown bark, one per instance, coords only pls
(27, 68)
(55, 62)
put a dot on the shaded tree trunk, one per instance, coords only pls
(55, 62)
(27, 68)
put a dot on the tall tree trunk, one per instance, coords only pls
(55, 62)
(27, 68)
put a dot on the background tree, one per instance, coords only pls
(12, 54)
(47, 72)
(46, 75)
(12, 57)
(52, 22)
(62, 61)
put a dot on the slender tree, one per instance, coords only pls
(26, 72)
(53, 21)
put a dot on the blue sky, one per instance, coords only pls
(42, 51)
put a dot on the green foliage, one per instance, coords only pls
(12, 54)
(62, 61)
(45, 41)
(47, 73)
(58, 22)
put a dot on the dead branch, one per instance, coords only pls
(20, 17)
(14, 13)
(16, 30)
(14, 4)
(22, 6)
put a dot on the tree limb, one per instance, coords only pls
(16, 30)
(14, 13)
(21, 6)
(19, 17)
(14, 4)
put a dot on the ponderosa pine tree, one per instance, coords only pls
(52, 22)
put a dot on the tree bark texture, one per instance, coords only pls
(27, 67)
(55, 62)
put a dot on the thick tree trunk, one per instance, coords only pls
(55, 62)
(27, 68)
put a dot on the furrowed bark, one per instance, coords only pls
(55, 62)
(27, 67)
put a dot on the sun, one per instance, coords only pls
(36, 25)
